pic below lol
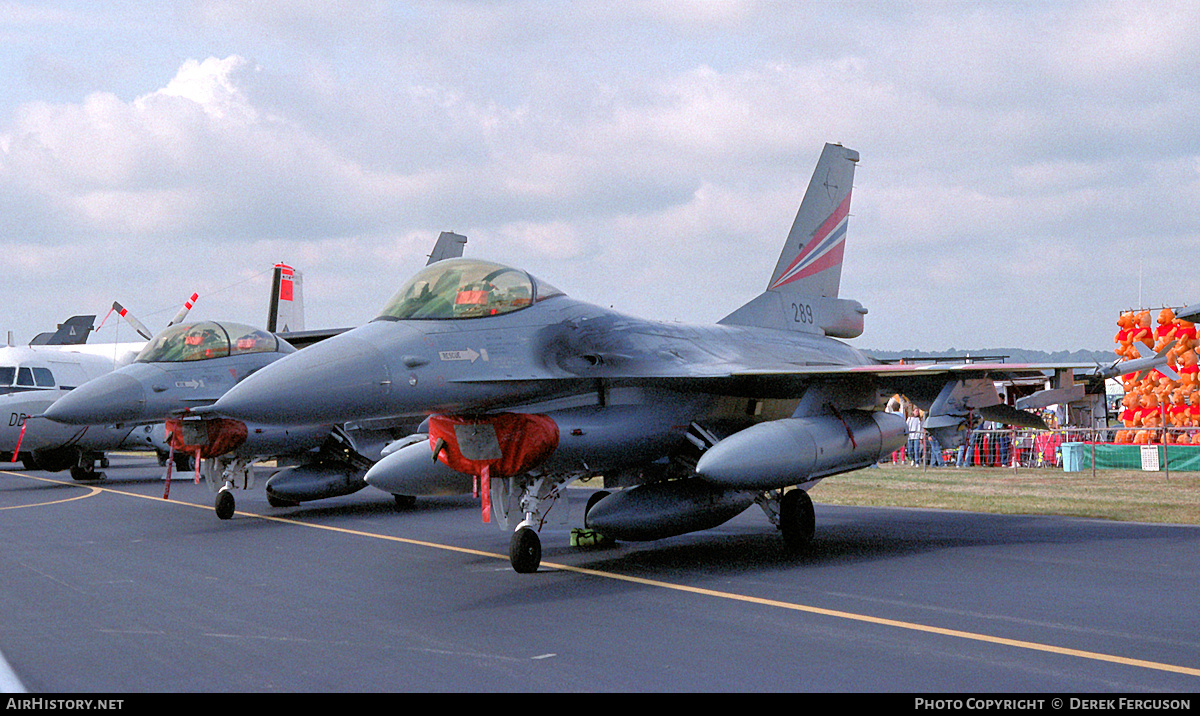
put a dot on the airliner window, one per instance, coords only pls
(461, 288)
(43, 377)
(7, 373)
(24, 377)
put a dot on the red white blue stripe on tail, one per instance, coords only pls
(823, 251)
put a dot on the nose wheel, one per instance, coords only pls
(225, 503)
(525, 550)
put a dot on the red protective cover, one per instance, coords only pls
(224, 435)
(525, 441)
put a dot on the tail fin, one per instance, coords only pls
(449, 246)
(811, 261)
(802, 292)
(286, 312)
(73, 332)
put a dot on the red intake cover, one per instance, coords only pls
(507, 443)
(212, 437)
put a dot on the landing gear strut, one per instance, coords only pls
(537, 496)
(228, 473)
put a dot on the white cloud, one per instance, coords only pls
(627, 153)
(209, 84)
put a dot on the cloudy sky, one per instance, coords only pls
(1029, 169)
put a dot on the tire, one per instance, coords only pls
(797, 521)
(404, 502)
(525, 551)
(82, 474)
(225, 504)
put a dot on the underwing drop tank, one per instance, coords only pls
(413, 470)
(315, 481)
(779, 453)
(666, 509)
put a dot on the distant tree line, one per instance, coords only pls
(1012, 355)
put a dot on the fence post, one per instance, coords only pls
(1094, 438)
(1012, 448)
(1165, 435)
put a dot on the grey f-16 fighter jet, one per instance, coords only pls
(525, 389)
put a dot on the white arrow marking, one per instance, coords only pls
(467, 355)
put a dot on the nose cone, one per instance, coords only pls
(112, 398)
(339, 379)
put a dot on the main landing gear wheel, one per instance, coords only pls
(796, 519)
(525, 551)
(225, 504)
(405, 502)
(83, 474)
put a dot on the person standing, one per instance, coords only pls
(966, 451)
(934, 447)
(913, 421)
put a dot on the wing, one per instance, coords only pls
(763, 364)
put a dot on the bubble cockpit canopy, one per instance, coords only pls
(209, 339)
(465, 288)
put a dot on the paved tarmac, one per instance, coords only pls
(108, 588)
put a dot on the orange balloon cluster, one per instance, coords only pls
(1155, 401)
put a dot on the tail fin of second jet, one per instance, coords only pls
(286, 312)
(449, 246)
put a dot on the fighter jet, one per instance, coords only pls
(185, 366)
(33, 377)
(193, 364)
(525, 389)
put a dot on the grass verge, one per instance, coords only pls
(1127, 495)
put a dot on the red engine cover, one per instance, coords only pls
(506, 444)
(211, 437)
